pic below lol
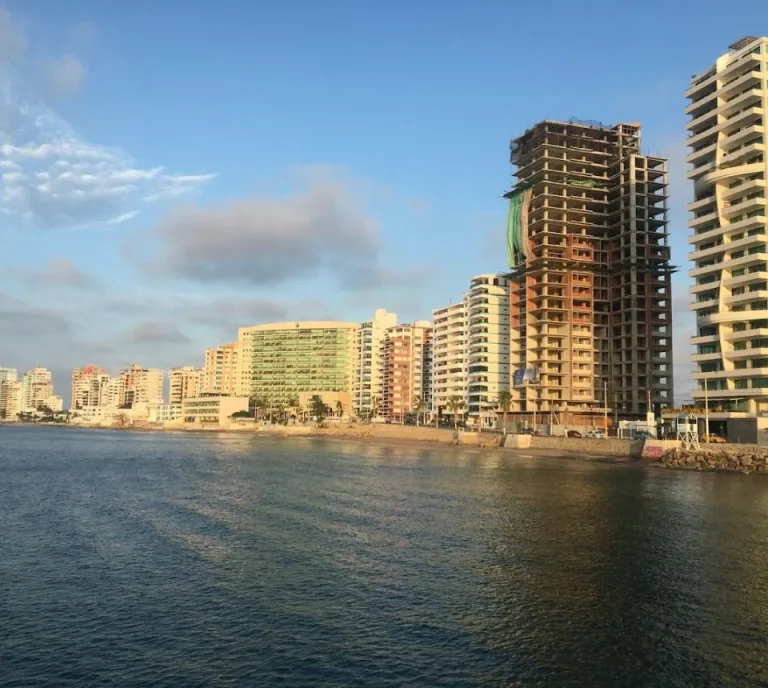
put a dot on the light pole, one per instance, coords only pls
(706, 410)
(605, 407)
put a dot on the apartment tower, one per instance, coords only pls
(587, 243)
(449, 366)
(219, 374)
(183, 383)
(368, 363)
(88, 385)
(407, 374)
(727, 141)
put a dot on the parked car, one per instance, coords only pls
(574, 433)
(713, 439)
(596, 434)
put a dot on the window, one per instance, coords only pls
(741, 384)
(739, 327)
(737, 273)
(740, 365)
(760, 383)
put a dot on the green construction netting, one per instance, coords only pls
(516, 242)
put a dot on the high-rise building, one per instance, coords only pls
(407, 370)
(87, 386)
(367, 369)
(112, 395)
(10, 399)
(219, 374)
(36, 387)
(488, 343)
(139, 385)
(184, 383)
(278, 361)
(9, 375)
(449, 362)
(587, 242)
(727, 139)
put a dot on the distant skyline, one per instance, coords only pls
(171, 171)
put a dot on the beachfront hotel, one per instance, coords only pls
(279, 361)
(728, 233)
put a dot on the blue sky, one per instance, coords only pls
(215, 165)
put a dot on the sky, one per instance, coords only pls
(173, 170)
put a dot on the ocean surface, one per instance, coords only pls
(131, 559)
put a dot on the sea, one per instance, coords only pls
(162, 559)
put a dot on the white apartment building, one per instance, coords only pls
(367, 367)
(141, 385)
(163, 413)
(219, 374)
(449, 366)
(88, 385)
(9, 375)
(184, 382)
(10, 399)
(112, 394)
(36, 387)
(488, 345)
(729, 233)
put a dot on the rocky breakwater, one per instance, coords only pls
(741, 458)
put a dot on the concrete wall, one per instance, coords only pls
(606, 447)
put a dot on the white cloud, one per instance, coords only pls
(53, 178)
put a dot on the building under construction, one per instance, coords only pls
(587, 243)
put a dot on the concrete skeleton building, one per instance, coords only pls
(407, 369)
(278, 361)
(368, 364)
(727, 123)
(587, 242)
(220, 371)
(183, 382)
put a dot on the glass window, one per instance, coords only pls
(741, 384)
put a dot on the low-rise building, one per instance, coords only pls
(211, 409)
(163, 413)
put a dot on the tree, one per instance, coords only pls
(419, 406)
(318, 408)
(259, 404)
(455, 405)
(339, 409)
(505, 401)
(374, 407)
(241, 414)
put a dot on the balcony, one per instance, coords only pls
(706, 150)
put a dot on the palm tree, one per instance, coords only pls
(340, 409)
(374, 407)
(419, 406)
(505, 401)
(294, 405)
(455, 404)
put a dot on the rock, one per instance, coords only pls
(746, 461)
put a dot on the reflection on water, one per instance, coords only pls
(170, 560)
